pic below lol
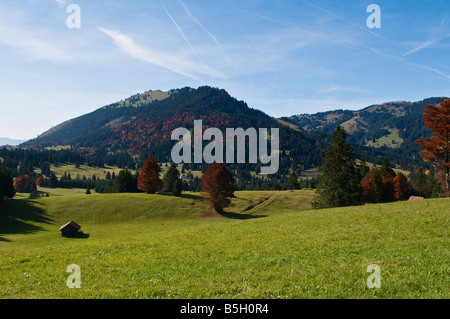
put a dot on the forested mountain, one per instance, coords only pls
(142, 125)
(392, 128)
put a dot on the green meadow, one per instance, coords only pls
(268, 244)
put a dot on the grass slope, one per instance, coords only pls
(268, 245)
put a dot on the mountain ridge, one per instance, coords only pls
(142, 125)
(386, 126)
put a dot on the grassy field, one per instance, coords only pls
(267, 245)
(393, 140)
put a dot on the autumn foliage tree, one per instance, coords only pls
(24, 184)
(218, 184)
(401, 187)
(149, 180)
(436, 149)
(40, 181)
(384, 185)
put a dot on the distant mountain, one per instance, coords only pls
(9, 141)
(391, 127)
(142, 125)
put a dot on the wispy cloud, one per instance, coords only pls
(353, 24)
(213, 38)
(426, 44)
(437, 34)
(61, 2)
(32, 44)
(160, 58)
(211, 73)
(334, 88)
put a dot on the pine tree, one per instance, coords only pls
(292, 182)
(387, 179)
(53, 181)
(125, 182)
(364, 169)
(172, 181)
(340, 178)
(6, 184)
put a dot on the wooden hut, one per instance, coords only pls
(70, 229)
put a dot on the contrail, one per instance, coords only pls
(186, 9)
(354, 24)
(426, 44)
(189, 43)
(423, 67)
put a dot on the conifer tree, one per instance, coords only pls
(293, 181)
(339, 185)
(172, 181)
(125, 182)
(6, 184)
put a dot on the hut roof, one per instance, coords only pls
(71, 224)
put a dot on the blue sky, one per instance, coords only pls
(283, 57)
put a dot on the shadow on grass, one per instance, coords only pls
(239, 216)
(79, 235)
(20, 216)
(193, 197)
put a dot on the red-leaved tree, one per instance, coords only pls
(218, 185)
(401, 187)
(436, 149)
(24, 184)
(148, 179)
(40, 181)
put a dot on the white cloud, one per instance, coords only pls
(426, 44)
(162, 59)
(31, 43)
(61, 2)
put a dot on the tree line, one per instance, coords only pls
(345, 183)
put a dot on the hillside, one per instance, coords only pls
(393, 127)
(142, 125)
(269, 245)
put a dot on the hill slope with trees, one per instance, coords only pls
(392, 128)
(142, 126)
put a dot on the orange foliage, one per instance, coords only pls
(148, 179)
(437, 147)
